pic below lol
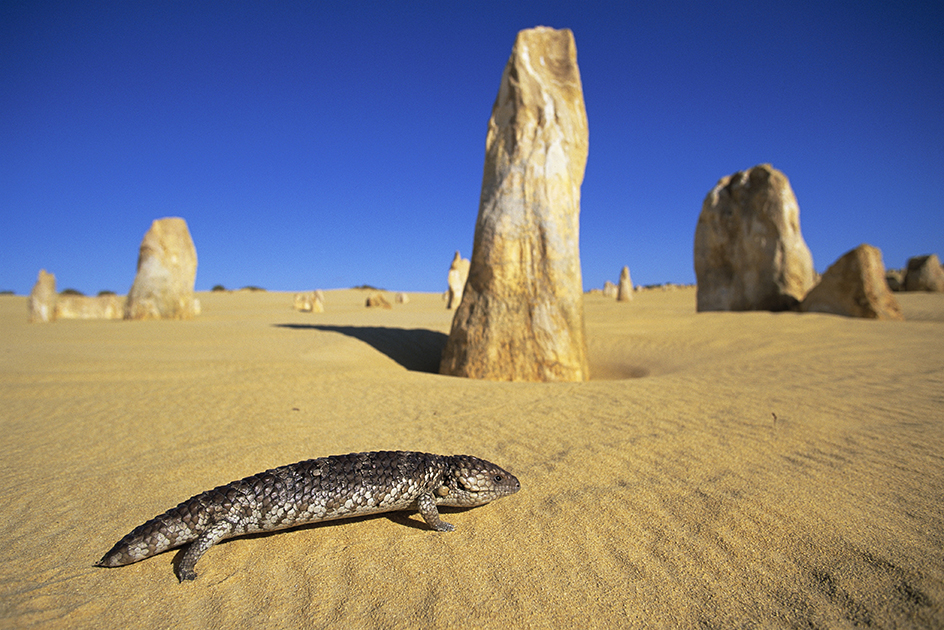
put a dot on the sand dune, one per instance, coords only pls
(721, 470)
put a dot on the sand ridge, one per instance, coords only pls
(721, 469)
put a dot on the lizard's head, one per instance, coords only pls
(469, 481)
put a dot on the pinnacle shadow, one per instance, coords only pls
(416, 349)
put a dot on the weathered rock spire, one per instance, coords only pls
(521, 315)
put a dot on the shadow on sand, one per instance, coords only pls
(419, 349)
(416, 349)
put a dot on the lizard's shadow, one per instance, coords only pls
(406, 518)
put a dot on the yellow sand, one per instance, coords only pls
(725, 469)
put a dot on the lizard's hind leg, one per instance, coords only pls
(216, 533)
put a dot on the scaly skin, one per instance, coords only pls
(315, 490)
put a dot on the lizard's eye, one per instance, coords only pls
(498, 478)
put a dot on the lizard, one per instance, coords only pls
(311, 491)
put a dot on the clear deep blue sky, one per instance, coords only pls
(313, 145)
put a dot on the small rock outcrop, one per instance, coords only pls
(41, 304)
(402, 298)
(310, 302)
(521, 315)
(895, 278)
(167, 269)
(377, 300)
(854, 286)
(924, 273)
(625, 292)
(458, 274)
(610, 289)
(106, 306)
(749, 252)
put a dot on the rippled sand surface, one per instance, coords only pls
(721, 470)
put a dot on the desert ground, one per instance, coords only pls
(720, 470)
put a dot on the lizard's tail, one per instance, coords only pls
(175, 527)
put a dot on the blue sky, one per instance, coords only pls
(310, 145)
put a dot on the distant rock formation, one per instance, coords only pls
(854, 286)
(625, 292)
(41, 305)
(895, 278)
(310, 302)
(377, 300)
(749, 252)
(521, 315)
(106, 306)
(167, 269)
(402, 298)
(610, 289)
(45, 305)
(924, 273)
(666, 287)
(458, 274)
(303, 302)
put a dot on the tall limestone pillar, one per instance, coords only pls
(625, 291)
(167, 269)
(521, 315)
(42, 299)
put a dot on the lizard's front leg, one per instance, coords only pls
(427, 508)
